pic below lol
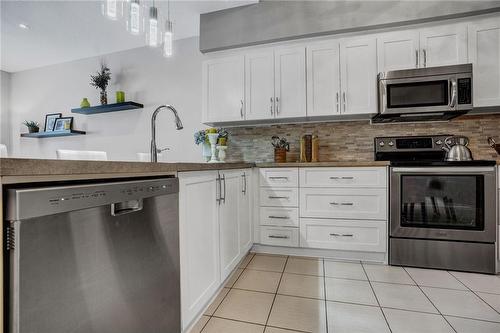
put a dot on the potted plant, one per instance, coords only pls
(281, 146)
(223, 136)
(33, 126)
(100, 81)
(201, 138)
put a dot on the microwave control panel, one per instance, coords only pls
(464, 90)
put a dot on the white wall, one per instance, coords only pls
(4, 108)
(144, 75)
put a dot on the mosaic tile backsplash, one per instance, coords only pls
(353, 140)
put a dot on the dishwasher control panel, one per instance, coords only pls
(31, 202)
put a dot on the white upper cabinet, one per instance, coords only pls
(398, 50)
(323, 79)
(224, 89)
(259, 85)
(290, 82)
(484, 54)
(443, 45)
(358, 73)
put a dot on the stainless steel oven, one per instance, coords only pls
(425, 94)
(443, 217)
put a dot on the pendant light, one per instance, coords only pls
(134, 17)
(109, 9)
(152, 29)
(167, 36)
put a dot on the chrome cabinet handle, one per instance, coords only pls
(337, 101)
(416, 58)
(344, 177)
(277, 105)
(425, 57)
(279, 237)
(244, 176)
(453, 87)
(342, 204)
(219, 188)
(274, 197)
(344, 100)
(341, 235)
(241, 109)
(223, 179)
(271, 108)
(276, 177)
(278, 217)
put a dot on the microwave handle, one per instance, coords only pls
(453, 88)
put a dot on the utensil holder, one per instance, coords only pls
(280, 155)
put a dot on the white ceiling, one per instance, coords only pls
(62, 31)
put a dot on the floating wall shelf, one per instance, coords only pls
(109, 108)
(41, 135)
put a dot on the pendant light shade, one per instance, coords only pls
(110, 9)
(134, 17)
(167, 39)
(152, 37)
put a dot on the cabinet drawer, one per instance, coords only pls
(279, 236)
(343, 177)
(348, 203)
(279, 197)
(279, 177)
(369, 236)
(288, 217)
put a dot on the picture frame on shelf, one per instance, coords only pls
(50, 121)
(63, 124)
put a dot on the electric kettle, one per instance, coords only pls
(456, 149)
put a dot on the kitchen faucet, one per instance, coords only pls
(178, 124)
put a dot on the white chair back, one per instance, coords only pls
(3, 150)
(89, 155)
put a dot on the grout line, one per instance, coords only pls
(419, 288)
(324, 293)
(239, 321)
(376, 297)
(488, 321)
(287, 329)
(472, 291)
(275, 294)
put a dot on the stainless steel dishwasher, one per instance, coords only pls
(94, 258)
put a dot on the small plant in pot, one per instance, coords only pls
(223, 136)
(281, 146)
(33, 126)
(100, 81)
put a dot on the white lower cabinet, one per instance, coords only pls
(344, 203)
(279, 216)
(279, 236)
(279, 197)
(199, 241)
(215, 232)
(351, 235)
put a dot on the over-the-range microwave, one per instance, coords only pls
(434, 93)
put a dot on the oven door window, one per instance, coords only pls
(417, 94)
(444, 202)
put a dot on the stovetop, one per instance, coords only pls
(443, 163)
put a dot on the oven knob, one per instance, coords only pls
(439, 142)
(391, 143)
(381, 143)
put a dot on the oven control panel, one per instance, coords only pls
(410, 143)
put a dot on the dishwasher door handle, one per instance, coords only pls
(126, 207)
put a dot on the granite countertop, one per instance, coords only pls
(14, 170)
(323, 164)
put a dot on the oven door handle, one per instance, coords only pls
(443, 170)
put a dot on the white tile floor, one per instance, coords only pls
(280, 294)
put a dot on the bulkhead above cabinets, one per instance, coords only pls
(335, 78)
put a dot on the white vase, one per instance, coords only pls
(222, 153)
(206, 151)
(212, 138)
